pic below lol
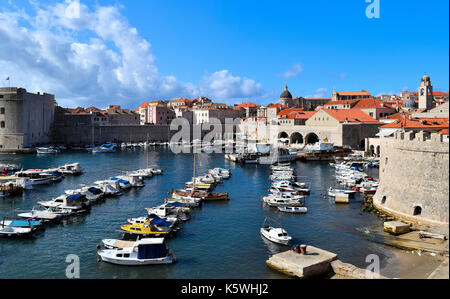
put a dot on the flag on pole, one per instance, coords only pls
(7, 78)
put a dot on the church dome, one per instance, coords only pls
(286, 94)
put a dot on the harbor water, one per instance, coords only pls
(221, 240)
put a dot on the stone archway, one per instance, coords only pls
(311, 138)
(296, 138)
(378, 151)
(372, 150)
(283, 135)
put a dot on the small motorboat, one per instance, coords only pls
(368, 190)
(276, 235)
(143, 252)
(299, 210)
(36, 176)
(47, 150)
(11, 231)
(332, 192)
(105, 148)
(146, 229)
(109, 188)
(71, 169)
(46, 215)
(124, 184)
(21, 223)
(77, 203)
(134, 180)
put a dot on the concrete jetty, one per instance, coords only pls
(396, 227)
(316, 262)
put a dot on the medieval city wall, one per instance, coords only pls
(414, 178)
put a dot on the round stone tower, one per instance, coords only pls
(414, 178)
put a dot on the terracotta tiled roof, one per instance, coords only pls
(444, 132)
(302, 115)
(419, 123)
(246, 105)
(286, 112)
(397, 116)
(350, 115)
(277, 106)
(353, 93)
(371, 103)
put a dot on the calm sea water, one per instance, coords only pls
(221, 240)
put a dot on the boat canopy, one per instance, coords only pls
(24, 223)
(156, 220)
(75, 197)
(119, 180)
(151, 251)
(175, 204)
(95, 191)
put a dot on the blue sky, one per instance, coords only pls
(229, 50)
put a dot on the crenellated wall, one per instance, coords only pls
(414, 178)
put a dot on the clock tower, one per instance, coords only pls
(425, 93)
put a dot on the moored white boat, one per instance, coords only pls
(71, 169)
(147, 251)
(276, 235)
(10, 231)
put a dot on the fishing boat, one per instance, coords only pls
(162, 224)
(299, 210)
(145, 229)
(161, 221)
(36, 176)
(143, 252)
(276, 235)
(208, 196)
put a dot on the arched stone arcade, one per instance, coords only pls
(311, 138)
(296, 138)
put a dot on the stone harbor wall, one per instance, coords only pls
(88, 134)
(414, 178)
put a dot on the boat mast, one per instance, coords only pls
(193, 178)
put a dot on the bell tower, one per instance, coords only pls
(425, 93)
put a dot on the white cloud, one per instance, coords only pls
(223, 85)
(320, 93)
(95, 57)
(293, 72)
